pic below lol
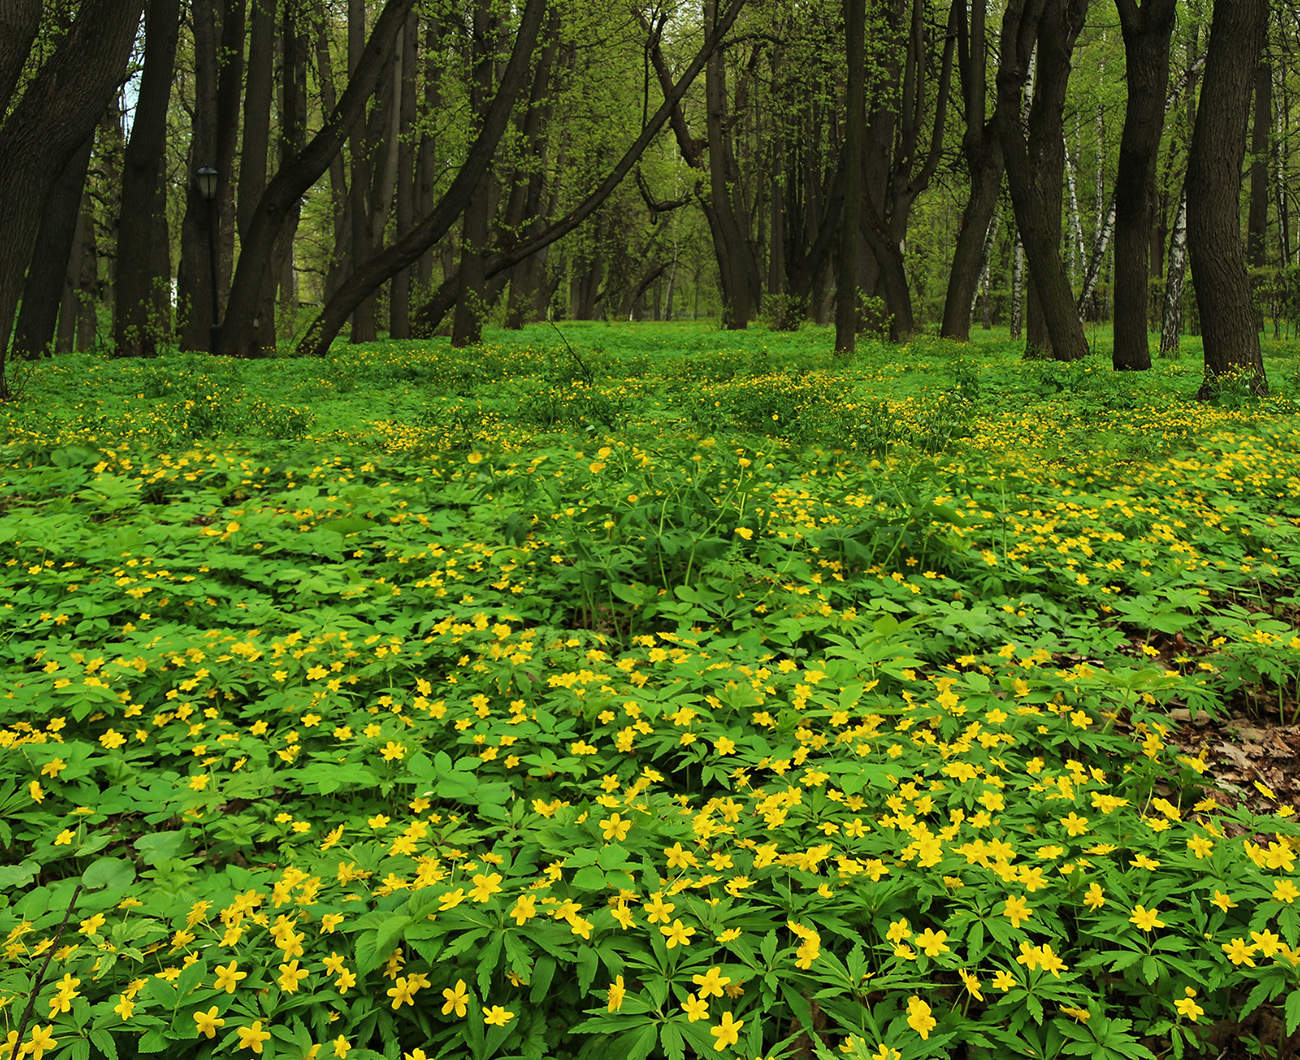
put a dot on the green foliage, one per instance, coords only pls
(717, 699)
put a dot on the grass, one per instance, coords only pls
(681, 693)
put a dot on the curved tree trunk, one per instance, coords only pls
(55, 115)
(425, 234)
(1218, 260)
(44, 289)
(237, 337)
(1035, 167)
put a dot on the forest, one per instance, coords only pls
(753, 529)
(241, 176)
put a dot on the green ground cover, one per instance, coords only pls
(678, 693)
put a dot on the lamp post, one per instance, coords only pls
(207, 180)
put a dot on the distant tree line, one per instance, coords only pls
(238, 175)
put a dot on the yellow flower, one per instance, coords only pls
(42, 1038)
(1146, 919)
(711, 982)
(745, 532)
(496, 1016)
(485, 886)
(290, 976)
(615, 994)
(676, 934)
(457, 998)
(1017, 910)
(1239, 953)
(228, 977)
(727, 1032)
(1095, 898)
(932, 943)
(253, 1037)
(1285, 891)
(919, 1018)
(403, 991)
(208, 1022)
(342, 1047)
(1187, 1006)
(696, 1008)
(615, 828)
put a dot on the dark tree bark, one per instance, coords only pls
(255, 153)
(65, 338)
(737, 260)
(218, 85)
(1218, 260)
(855, 120)
(1035, 166)
(471, 296)
(44, 289)
(293, 116)
(19, 22)
(1257, 212)
(983, 156)
(906, 170)
(137, 327)
(295, 177)
(523, 212)
(436, 224)
(46, 127)
(426, 178)
(1147, 29)
(399, 302)
(339, 195)
(360, 146)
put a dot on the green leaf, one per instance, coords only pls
(19, 875)
(108, 872)
(1292, 1012)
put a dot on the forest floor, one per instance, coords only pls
(652, 691)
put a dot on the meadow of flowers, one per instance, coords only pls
(677, 695)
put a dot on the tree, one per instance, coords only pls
(1228, 323)
(1147, 29)
(141, 293)
(855, 120)
(409, 248)
(46, 126)
(238, 337)
(1035, 165)
(983, 156)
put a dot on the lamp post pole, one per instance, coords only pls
(207, 178)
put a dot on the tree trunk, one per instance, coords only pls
(359, 148)
(136, 328)
(471, 295)
(1257, 212)
(295, 177)
(1228, 324)
(1034, 167)
(293, 115)
(218, 82)
(19, 22)
(1171, 323)
(434, 226)
(399, 302)
(337, 266)
(1147, 30)
(45, 128)
(855, 120)
(732, 243)
(45, 289)
(255, 154)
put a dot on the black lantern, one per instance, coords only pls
(207, 178)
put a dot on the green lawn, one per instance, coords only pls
(650, 691)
